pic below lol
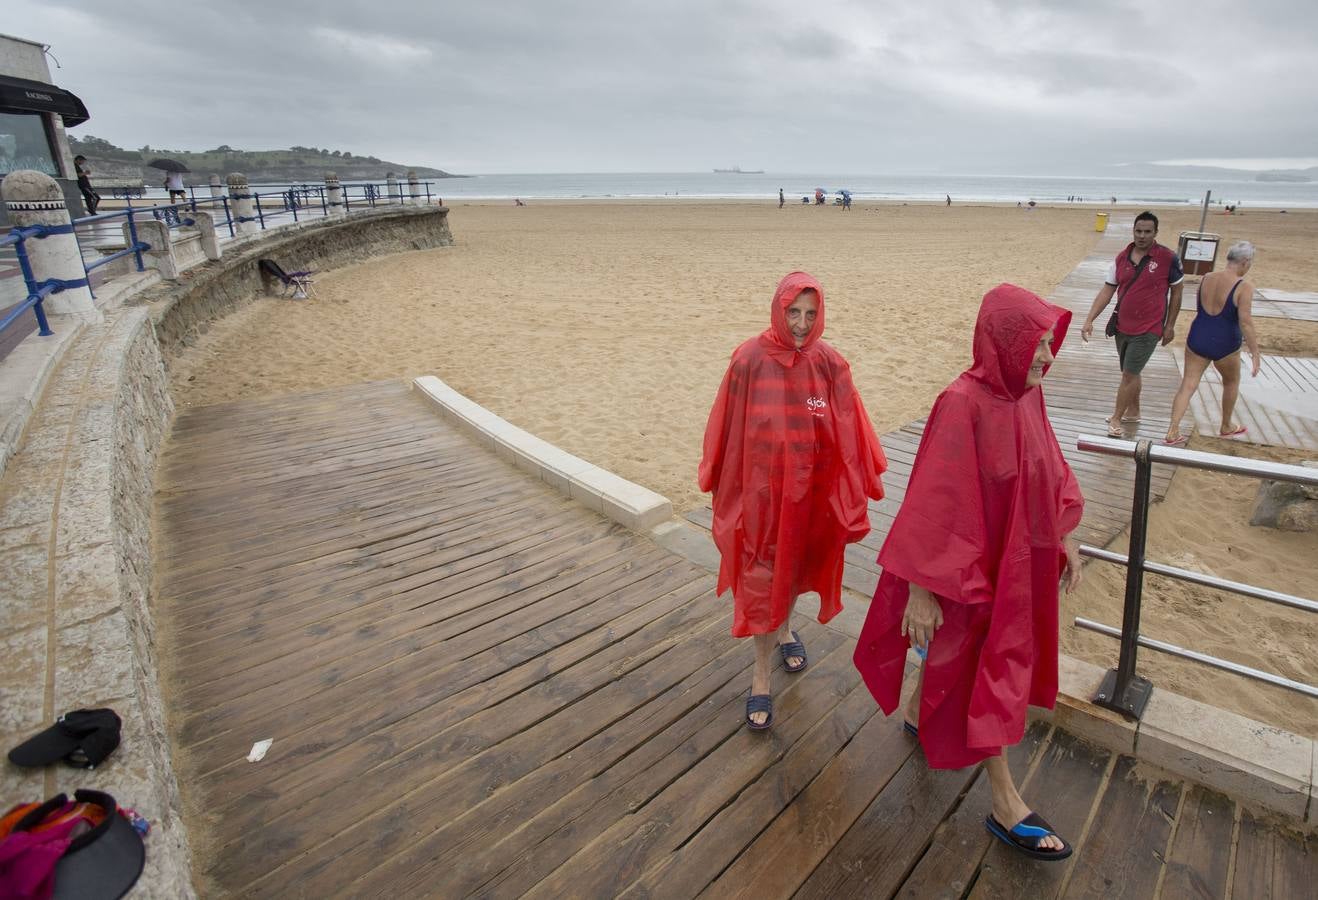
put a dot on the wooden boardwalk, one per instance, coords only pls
(478, 688)
(1080, 389)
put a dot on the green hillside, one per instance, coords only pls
(111, 164)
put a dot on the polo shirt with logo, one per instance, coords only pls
(1144, 303)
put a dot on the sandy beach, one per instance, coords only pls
(605, 328)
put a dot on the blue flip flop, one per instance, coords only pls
(792, 648)
(1026, 835)
(910, 729)
(759, 703)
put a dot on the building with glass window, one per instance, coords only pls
(33, 115)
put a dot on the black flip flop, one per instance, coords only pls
(792, 648)
(1026, 835)
(759, 703)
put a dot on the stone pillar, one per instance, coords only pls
(334, 195)
(391, 181)
(217, 187)
(241, 206)
(33, 198)
(160, 256)
(204, 222)
(414, 187)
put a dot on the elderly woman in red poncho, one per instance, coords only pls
(973, 559)
(792, 461)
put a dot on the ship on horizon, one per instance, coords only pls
(738, 170)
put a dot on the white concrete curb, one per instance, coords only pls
(637, 507)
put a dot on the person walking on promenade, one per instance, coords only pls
(972, 562)
(1147, 279)
(174, 184)
(89, 195)
(1215, 337)
(791, 458)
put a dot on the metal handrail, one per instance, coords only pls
(36, 293)
(1122, 689)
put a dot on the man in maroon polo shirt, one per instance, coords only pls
(1143, 275)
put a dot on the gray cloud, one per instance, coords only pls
(580, 85)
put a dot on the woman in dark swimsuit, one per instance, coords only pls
(1221, 322)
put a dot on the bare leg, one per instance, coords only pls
(1008, 807)
(784, 635)
(1128, 397)
(912, 711)
(765, 644)
(1229, 369)
(1195, 366)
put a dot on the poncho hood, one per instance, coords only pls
(1011, 322)
(777, 338)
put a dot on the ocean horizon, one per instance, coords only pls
(1048, 189)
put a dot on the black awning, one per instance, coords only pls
(37, 96)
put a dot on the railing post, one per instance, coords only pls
(130, 235)
(391, 183)
(1122, 689)
(240, 194)
(228, 216)
(35, 199)
(217, 187)
(292, 202)
(413, 187)
(335, 191)
(428, 193)
(260, 216)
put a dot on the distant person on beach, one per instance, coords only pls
(973, 559)
(1222, 322)
(89, 195)
(792, 460)
(781, 199)
(1147, 279)
(949, 199)
(174, 184)
(518, 202)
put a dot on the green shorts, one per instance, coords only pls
(1134, 351)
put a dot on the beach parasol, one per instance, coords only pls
(167, 165)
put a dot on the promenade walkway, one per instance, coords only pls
(476, 687)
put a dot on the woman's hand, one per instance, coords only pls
(922, 618)
(1253, 365)
(1071, 575)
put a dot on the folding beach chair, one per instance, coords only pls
(298, 282)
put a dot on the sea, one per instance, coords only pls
(1049, 189)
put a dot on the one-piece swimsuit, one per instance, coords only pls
(1216, 336)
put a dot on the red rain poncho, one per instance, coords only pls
(981, 527)
(792, 460)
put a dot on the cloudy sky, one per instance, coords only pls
(854, 86)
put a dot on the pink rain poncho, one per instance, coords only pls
(792, 460)
(981, 527)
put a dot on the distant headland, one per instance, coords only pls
(115, 165)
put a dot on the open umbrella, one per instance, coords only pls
(167, 165)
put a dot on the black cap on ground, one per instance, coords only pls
(83, 737)
(103, 863)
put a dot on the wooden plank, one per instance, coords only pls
(873, 858)
(1200, 856)
(1123, 857)
(1273, 863)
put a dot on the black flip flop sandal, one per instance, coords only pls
(1026, 835)
(792, 648)
(759, 703)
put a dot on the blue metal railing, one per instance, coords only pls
(36, 293)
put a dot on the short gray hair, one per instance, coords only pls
(1240, 251)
